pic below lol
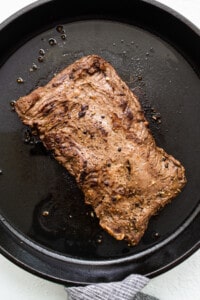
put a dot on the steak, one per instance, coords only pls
(97, 130)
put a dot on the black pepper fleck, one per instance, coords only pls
(81, 114)
(113, 198)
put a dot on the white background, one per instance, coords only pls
(180, 283)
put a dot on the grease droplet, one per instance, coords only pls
(40, 58)
(156, 235)
(45, 213)
(42, 52)
(35, 67)
(60, 29)
(52, 42)
(12, 103)
(63, 36)
(20, 80)
(99, 239)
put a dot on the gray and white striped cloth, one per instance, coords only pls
(127, 289)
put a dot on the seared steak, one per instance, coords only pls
(97, 130)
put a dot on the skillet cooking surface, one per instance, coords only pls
(42, 210)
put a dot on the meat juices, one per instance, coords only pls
(97, 130)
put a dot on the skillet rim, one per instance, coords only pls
(5, 226)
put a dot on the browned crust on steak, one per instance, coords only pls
(96, 127)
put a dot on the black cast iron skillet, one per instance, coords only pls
(44, 225)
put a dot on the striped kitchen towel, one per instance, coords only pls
(127, 289)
